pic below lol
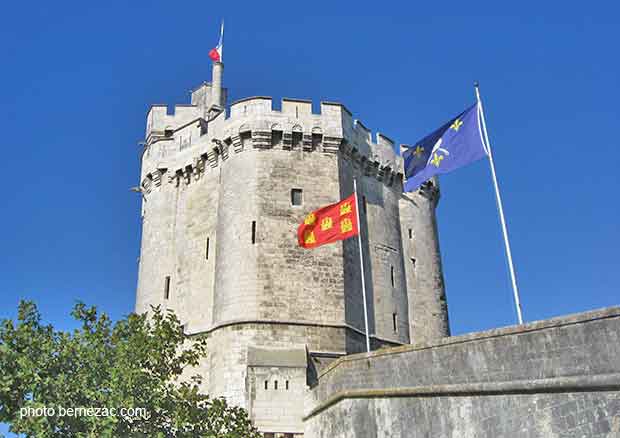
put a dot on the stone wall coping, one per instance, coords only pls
(245, 99)
(560, 321)
(597, 382)
(326, 102)
(294, 99)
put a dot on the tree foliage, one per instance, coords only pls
(137, 362)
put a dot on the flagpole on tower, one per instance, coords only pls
(499, 206)
(221, 44)
(359, 241)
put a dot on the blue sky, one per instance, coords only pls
(78, 77)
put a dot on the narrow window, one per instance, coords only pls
(275, 385)
(207, 250)
(297, 139)
(287, 385)
(413, 262)
(296, 196)
(410, 233)
(266, 384)
(364, 203)
(276, 138)
(253, 232)
(167, 288)
(395, 322)
(392, 275)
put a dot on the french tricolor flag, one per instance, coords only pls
(217, 53)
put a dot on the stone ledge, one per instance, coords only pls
(561, 321)
(582, 383)
(289, 322)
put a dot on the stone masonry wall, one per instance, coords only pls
(428, 307)
(218, 221)
(554, 378)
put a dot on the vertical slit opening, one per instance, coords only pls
(167, 288)
(253, 232)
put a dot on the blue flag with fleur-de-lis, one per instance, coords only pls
(455, 144)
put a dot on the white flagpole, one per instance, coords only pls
(499, 207)
(222, 42)
(359, 241)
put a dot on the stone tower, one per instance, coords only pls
(224, 191)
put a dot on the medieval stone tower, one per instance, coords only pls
(224, 191)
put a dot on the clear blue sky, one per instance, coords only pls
(78, 77)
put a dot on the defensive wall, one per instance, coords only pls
(552, 378)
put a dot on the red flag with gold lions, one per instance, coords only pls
(329, 224)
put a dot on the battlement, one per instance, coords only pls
(161, 118)
(186, 143)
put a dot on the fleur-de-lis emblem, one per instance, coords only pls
(310, 219)
(419, 150)
(436, 161)
(456, 124)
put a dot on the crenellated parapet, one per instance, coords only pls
(184, 144)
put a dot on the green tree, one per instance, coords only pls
(137, 362)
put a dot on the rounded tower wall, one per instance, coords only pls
(236, 294)
(428, 306)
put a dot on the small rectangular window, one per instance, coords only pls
(275, 385)
(364, 203)
(287, 385)
(266, 384)
(167, 288)
(413, 262)
(296, 196)
(410, 233)
(253, 232)
(207, 250)
(392, 275)
(395, 322)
